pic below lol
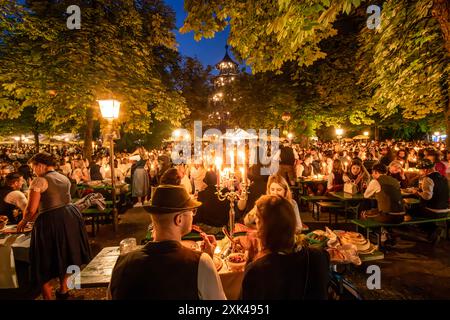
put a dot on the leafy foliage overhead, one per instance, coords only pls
(62, 72)
(268, 33)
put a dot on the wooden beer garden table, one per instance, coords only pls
(351, 201)
(98, 273)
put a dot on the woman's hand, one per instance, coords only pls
(21, 226)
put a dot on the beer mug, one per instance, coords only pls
(127, 245)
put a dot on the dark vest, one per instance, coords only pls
(58, 192)
(94, 171)
(6, 209)
(159, 271)
(338, 179)
(389, 199)
(287, 156)
(439, 200)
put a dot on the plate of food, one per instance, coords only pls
(236, 261)
(355, 238)
(316, 237)
(13, 229)
(408, 191)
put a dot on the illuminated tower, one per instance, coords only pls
(228, 72)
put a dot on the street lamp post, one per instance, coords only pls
(110, 111)
(339, 133)
(286, 116)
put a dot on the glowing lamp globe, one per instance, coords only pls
(109, 109)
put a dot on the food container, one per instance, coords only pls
(316, 239)
(236, 261)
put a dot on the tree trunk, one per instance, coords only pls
(36, 141)
(377, 133)
(87, 150)
(441, 12)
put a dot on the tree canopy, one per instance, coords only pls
(116, 53)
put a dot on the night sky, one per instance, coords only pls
(208, 51)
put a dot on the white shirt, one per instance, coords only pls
(427, 186)
(373, 187)
(208, 280)
(17, 198)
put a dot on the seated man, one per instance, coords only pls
(433, 192)
(388, 195)
(12, 199)
(164, 269)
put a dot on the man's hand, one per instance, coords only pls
(209, 244)
(21, 226)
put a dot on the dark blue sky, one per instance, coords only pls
(208, 51)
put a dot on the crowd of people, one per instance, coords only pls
(38, 189)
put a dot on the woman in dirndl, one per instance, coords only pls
(58, 238)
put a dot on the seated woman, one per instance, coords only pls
(358, 175)
(302, 273)
(80, 174)
(395, 170)
(277, 185)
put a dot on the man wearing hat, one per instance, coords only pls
(164, 269)
(433, 192)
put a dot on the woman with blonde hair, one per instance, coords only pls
(396, 171)
(277, 185)
(80, 172)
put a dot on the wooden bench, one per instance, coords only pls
(314, 200)
(96, 217)
(370, 224)
(333, 207)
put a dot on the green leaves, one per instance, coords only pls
(267, 34)
(118, 52)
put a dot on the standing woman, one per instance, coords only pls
(59, 237)
(140, 185)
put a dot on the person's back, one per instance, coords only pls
(287, 156)
(95, 172)
(440, 197)
(389, 199)
(159, 271)
(301, 275)
(213, 212)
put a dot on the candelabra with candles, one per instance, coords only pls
(226, 190)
